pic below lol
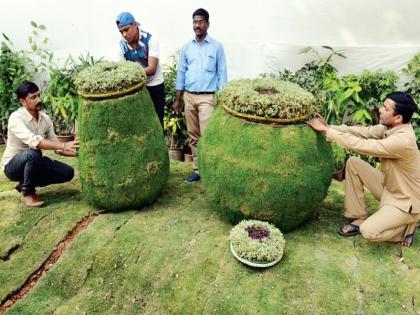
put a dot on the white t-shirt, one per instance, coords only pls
(153, 44)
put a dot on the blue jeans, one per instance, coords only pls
(33, 170)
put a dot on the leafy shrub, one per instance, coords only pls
(12, 73)
(413, 88)
(108, 77)
(339, 156)
(61, 97)
(267, 98)
(257, 241)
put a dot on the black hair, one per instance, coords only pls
(201, 12)
(404, 105)
(25, 88)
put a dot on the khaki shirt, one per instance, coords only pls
(24, 131)
(400, 159)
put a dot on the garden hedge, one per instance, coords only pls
(275, 173)
(123, 159)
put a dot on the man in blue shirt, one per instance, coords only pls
(201, 72)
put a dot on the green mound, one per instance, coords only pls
(267, 98)
(257, 171)
(123, 159)
(107, 77)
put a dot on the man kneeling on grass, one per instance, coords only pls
(28, 131)
(396, 184)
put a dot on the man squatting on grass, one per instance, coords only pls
(396, 185)
(201, 73)
(28, 131)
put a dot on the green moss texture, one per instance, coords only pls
(123, 158)
(267, 98)
(255, 171)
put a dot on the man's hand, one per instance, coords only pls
(318, 124)
(71, 146)
(319, 116)
(176, 106)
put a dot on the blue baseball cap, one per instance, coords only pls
(125, 18)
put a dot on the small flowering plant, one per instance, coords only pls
(257, 242)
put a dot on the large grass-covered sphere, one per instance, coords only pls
(123, 159)
(260, 169)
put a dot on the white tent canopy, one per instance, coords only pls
(258, 36)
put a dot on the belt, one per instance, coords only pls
(199, 93)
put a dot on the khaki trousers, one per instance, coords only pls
(198, 110)
(389, 223)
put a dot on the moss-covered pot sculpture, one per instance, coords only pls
(252, 167)
(123, 159)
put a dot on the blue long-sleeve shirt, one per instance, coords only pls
(202, 66)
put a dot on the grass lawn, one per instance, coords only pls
(173, 258)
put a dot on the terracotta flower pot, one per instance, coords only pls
(176, 154)
(65, 138)
(188, 157)
(339, 175)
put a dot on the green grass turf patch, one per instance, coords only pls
(173, 258)
(28, 236)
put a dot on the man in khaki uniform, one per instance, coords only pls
(396, 185)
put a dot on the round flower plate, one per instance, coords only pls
(251, 263)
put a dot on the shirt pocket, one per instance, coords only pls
(210, 65)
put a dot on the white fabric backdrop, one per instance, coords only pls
(258, 36)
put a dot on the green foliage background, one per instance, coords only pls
(123, 157)
(253, 171)
(12, 73)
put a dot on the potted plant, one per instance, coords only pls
(174, 125)
(340, 157)
(188, 157)
(256, 243)
(175, 135)
(61, 96)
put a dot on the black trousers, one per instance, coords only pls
(157, 93)
(33, 170)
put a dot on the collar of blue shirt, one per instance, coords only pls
(207, 39)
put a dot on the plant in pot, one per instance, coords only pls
(62, 101)
(175, 134)
(256, 243)
(174, 125)
(340, 157)
(188, 157)
(61, 97)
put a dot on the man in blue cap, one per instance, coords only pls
(140, 46)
